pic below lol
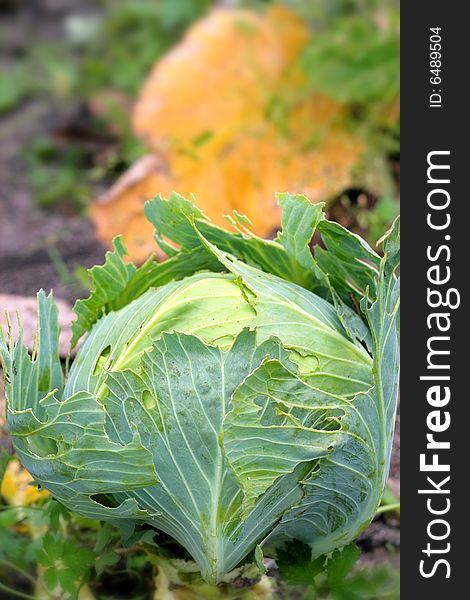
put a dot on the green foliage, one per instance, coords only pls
(354, 58)
(65, 564)
(335, 576)
(138, 29)
(4, 460)
(57, 175)
(14, 88)
(297, 567)
(48, 551)
(385, 211)
(294, 560)
(355, 61)
(323, 13)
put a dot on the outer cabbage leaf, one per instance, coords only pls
(276, 422)
(63, 443)
(343, 494)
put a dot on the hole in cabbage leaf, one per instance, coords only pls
(307, 363)
(104, 500)
(333, 420)
(148, 400)
(101, 361)
(42, 446)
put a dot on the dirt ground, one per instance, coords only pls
(27, 232)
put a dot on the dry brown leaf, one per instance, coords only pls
(218, 78)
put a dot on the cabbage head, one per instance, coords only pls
(236, 396)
